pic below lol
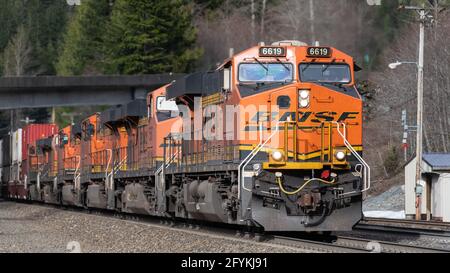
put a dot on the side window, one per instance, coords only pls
(284, 102)
(32, 150)
(63, 139)
(88, 131)
(166, 109)
(91, 130)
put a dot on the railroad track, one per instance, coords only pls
(335, 244)
(344, 244)
(316, 246)
(436, 229)
(384, 246)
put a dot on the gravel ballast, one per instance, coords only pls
(41, 229)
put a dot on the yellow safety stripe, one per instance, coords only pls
(291, 154)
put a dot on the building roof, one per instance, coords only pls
(437, 161)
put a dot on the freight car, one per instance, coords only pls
(272, 139)
(23, 148)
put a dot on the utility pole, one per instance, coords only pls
(27, 120)
(424, 15)
(53, 117)
(419, 140)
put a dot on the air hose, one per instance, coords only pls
(322, 217)
(280, 184)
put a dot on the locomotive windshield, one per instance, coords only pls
(325, 73)
(265, 72)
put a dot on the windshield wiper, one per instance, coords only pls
(275, 83)
(307, 65)
(256, 85)
(328, 65)
(283, 64)
(260, 63)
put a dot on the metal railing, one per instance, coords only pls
(365, 168)
(252, 155)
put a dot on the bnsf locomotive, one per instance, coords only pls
(272, 138)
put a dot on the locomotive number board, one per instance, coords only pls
(318, 52)
(272, 51)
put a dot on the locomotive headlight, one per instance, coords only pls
(304, 103)
(277, 155)
(303, 98)
(304, 94)
(340, 155)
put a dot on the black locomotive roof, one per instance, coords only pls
(136, 108)
(196, 84)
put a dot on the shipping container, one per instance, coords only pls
(1, 164)
(1, 154)
(16, 146)
(33, 132)
(6, 151)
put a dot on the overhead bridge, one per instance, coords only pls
(49, 91)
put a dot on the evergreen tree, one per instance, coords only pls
(46, 21)
(43, 20)
(84, 40)
(17, 57)
(151, 37)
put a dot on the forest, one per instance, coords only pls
(96, 37)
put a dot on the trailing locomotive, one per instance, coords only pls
(272, 138)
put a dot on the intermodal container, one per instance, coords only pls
(16, 146)
(6, 151)
(1, 162)
(1, 153)
(33, 132)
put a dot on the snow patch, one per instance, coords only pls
(389, 214)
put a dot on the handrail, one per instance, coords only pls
(77, 173)
(119, 166)
(77, 168)
(366, 169)
(252, 154)
(165, 165)
(108, 174)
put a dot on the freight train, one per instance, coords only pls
(272, 138)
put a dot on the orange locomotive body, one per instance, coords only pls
(271, 139)
(289, 157)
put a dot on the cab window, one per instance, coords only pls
(265, 72)
(325, 73)
(165, 109)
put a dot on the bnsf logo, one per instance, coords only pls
(318, 117)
